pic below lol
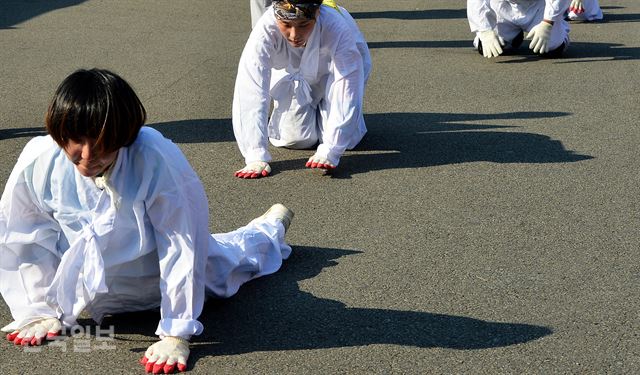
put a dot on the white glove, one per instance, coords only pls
(34, 332)
(254, 169)
(319, 162)
(576, 6)
(540, 36)
(491, 43)
(166, 355)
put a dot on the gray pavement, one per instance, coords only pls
(488, 223)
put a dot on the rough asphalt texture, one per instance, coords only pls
(488, 223)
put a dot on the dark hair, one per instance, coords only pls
(97, 104)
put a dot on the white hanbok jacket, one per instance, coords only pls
(328, 74)
(135, 240)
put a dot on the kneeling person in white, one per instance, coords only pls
(502, 24)
(313, 62)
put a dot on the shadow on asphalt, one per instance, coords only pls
(22, 132)
(422, 44)
(197, 131)
(13, 12)
(272, 313)
(578, 52)
(185, 131)
(429, 14)
(619, 17)
(600, 51)
(417, 140)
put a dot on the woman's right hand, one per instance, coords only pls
(34, 332)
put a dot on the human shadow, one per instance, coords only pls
(578, 52)
(421, 44)
(182, 131)
(21, 132)
(13, 12)
(619, 17)
(594, 50)
(197, 131)
(272, 313)
(413, 14)
(416, 140)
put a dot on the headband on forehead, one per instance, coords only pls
(291, 10)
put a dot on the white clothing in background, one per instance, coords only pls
(258, 7)
(592, 11)
(510, 17)
(317, 90)
(139, 241)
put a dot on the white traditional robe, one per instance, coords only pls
(509, 17)
(134, 240)
(317, 90)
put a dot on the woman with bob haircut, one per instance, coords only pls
(105, 215)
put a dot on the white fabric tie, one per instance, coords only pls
(295, 84)
(102, 183)
(81, 268)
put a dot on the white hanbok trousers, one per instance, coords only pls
(254, 250)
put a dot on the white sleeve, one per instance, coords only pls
(361, 43)
(554, 9)
(28, 247)
(251, 97)
(344, 97)
(178, 211)
(480, 15)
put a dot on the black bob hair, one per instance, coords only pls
(95, 104)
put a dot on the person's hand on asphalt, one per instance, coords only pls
(34, 332)
(540, 36)
(320, 163)
(167, 355)
(254, 169)
(491, 43)
(576, 7)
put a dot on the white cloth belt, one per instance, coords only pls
(295, 84)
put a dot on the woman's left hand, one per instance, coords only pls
(319, 162)
(166, 355)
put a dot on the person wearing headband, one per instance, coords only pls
(259, 7)
(504, 24)
(312, 61)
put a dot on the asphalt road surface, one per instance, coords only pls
(488, 222)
